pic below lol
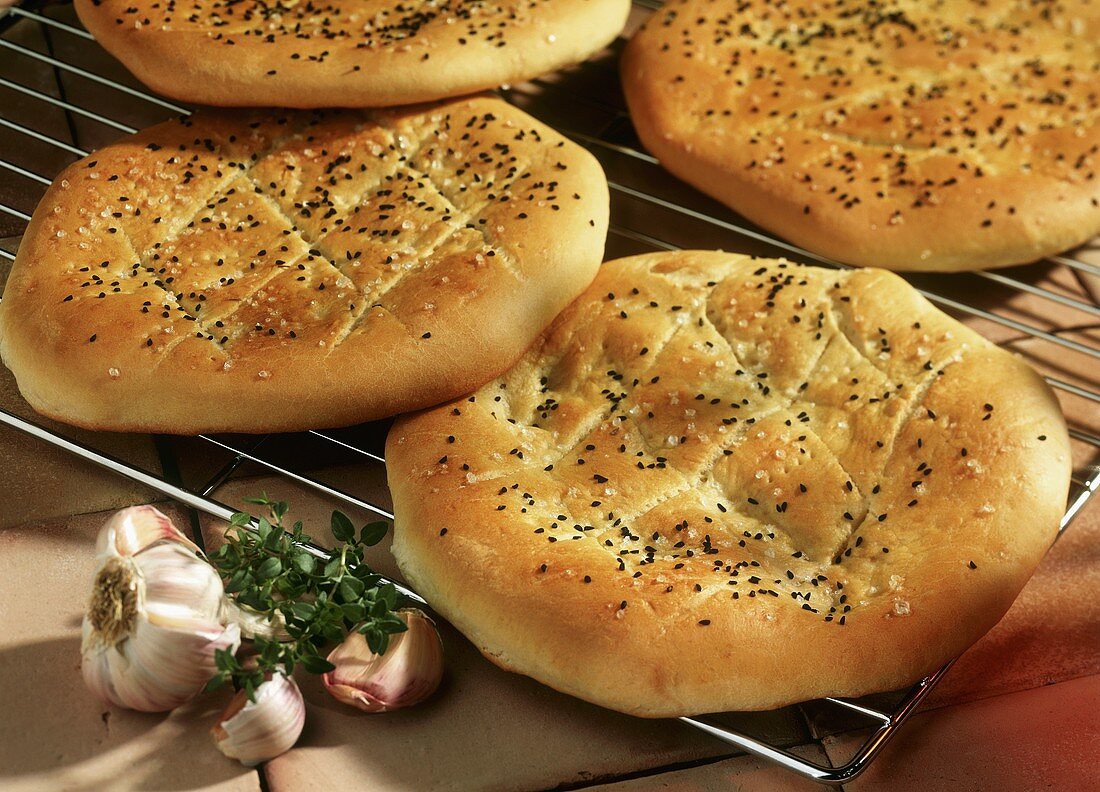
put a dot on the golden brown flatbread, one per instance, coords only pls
(255, 272)
(725, 483)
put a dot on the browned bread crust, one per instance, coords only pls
(908, 135)
(723, 483)
(273, 272)
(345, 53)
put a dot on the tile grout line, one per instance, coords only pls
(59, 84)
(649, 772)
(261, 777)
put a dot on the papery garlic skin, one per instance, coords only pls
(133, 529)
(409, 671)
(256, 625)
(152, 626)
(256, 731)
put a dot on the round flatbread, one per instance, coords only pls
(346, 53)
(275, 272)
(905, 134)
(724, 483)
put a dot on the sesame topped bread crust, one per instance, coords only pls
(723, 483)
(345, 53)
(256, 272)
(906, 134)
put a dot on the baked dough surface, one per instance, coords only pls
(723, 483)
(345, 53)
(256, 272)
(911, 135)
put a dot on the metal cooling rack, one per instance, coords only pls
(111, 102)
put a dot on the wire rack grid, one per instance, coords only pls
(62, 98)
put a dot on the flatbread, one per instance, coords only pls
(345, 53)
(255, 272)
(954, 135)
(724, 483)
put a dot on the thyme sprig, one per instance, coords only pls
(267, 568)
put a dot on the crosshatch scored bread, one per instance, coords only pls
(722, 483)
(346, 53)
(274, 272)
(904, 134)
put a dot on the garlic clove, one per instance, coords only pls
(131, 530)
(409, 671)
(178, 582)
(152, 627)
(157, 668)
(256, 625)
(256, 731)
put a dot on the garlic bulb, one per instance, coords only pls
(409, 671)
(255, 731)
(131, 530)
(155, 617)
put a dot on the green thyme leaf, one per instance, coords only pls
(354, 612)
(351, 589)
(317, 665)
(377, 641)
(373, 533)
(303, 610)
(215, 683)
(388, 593)
(237, 581)
(392, 623)
(342, 528)
(269, 569)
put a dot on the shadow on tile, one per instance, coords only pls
(56, 735)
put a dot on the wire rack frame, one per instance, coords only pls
(886, 722)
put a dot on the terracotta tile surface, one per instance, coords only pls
(41, 482)
(53, 733)
(485, 729)
(312, 508)
(335, 466)
(1038, 739)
